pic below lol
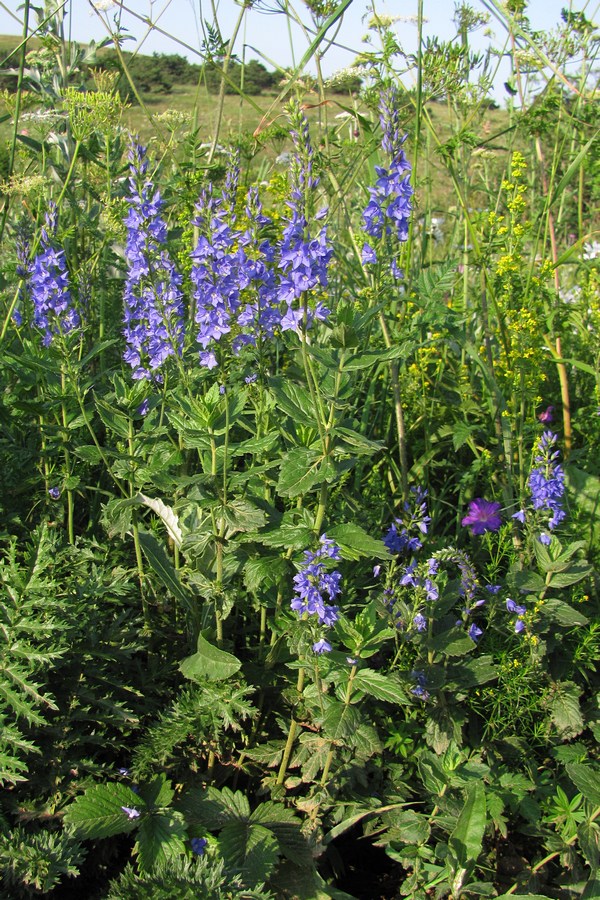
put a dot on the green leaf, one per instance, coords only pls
(209, 663)
(436, 281)
(114, 420)
(300, 472)
(294, 400)
(451, 643)
(467, 838)
(89, 453)
(461, 433)
(407, 826)
(565, 711)
(471, 672)
(99, 814)
(591, 891)
(340, 721)
(286, 827)
(586, 779)
(250, 849)
(560, 612)
(354, 542)
(383, 687)
(366, 359)
(157, 792)
(577, 572)
(157, 556)
(264, 572)
(588, 835)
(161, 839)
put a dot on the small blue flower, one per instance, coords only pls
(420, 622)
(198, 845)
(54, 492)
(130, 812)
(153, 307)
(322, 646)
(475, 632)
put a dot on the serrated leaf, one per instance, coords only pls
(367, 359)
(461, 432)
(264, 572)
(89, 453)
(560, 612)
(286, 827)
(209, 663)
(300, 472)
(112, 418)
(366, 742)
(158, 792)
(588, 836)
(451, 643)
(294, 400)
(472, 672)
(162, 566)
(436, 281)
(565, 711)
(586, 779)
(340, 721)
(166, 514)
(355, 542)
(250, 849)
(99, 812)
(467, 837)
(267, 754)
(161, 839)
(383, 687)
(577, 572)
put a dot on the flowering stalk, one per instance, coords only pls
(153, 309)
(386, 221)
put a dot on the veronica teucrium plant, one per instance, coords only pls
(153, 300)
(54, 312)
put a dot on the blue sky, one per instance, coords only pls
(264, 35)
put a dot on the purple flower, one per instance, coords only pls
(519, 516)
(420, 622)
(369, 257)
(474, 632)
(153, 309)
(53, 311)
(54, 492)
(313, 583)
(198, 845)
(235, 294)
(513, 607)
(322, 646)
(402, 536)
(546, 416)
(547, 483)
(302, 258)
(389, 207)
(420, 688)
(130, 812)
(482, 516)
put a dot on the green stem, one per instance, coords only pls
(136, 533)
(67, 456)
(287, 752)
(331, 753)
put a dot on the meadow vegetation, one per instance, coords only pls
(300, 467)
